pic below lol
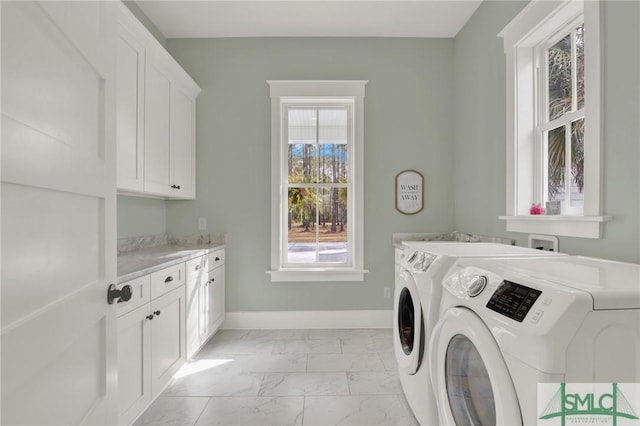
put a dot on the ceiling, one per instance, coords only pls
(309, 18)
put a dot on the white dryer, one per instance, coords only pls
(508, 324)
(420, 268)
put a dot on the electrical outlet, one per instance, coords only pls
(202, 223)
(543, 242)
(387, 292)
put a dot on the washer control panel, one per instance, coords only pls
(420, 261)
(514, 301)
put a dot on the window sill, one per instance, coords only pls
(565, 226)
(316, 274)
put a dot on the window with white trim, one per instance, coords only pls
(553, 118)
(560, 122)
(317, 180)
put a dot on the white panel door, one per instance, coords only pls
(156, 130)
(58, 226)
(183, 144)
(129, 107)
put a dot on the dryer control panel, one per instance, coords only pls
(513, 300)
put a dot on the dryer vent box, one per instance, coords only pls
(543, 242)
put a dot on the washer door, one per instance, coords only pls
(470, 379)
(408, 330)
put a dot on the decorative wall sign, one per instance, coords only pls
(409, 192)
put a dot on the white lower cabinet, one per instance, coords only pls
(205, 299)
(167, 338)
(134, 364)
(216, 292)
(151, 339)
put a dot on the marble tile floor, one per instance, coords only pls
(286, 377)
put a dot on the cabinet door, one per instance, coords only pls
(129, 111)
(156, 127)
(205, 310)
(167, 337)
(183, 145)
(134, 363)
(197, 273)
(218, 299)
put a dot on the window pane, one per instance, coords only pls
(333, 126)
(577, 163)
(559, 59)
(333, 163)
(580, 65)
(555, 164)
(301, 236)
(332, 218)
(302, 125)
(303, 159)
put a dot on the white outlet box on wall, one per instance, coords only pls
(543, 242)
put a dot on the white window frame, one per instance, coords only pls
(544, 125)
(287, 93)
(538, 22)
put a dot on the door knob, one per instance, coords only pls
(124, 294)
(157, 312)
(149, 317)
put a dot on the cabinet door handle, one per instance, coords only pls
(149, 317)
(168, 279)
(175, 186)
(217, 259)
(157, 312)
(197, 267)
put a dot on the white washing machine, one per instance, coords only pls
(508, 324)
(420, 267)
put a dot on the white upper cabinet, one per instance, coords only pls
(183, 144)
(156, 116)
(157, 142)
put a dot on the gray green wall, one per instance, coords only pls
(435, 105)
(408, 121)
(479, 158)
(141, 216)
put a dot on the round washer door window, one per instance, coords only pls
(471, 380)
(406, 321)
(408, 326)
(469, 389)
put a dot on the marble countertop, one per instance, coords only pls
(397, 239)
(136, 263)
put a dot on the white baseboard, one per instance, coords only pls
(308, 320)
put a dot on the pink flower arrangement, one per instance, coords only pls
(536, 209)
